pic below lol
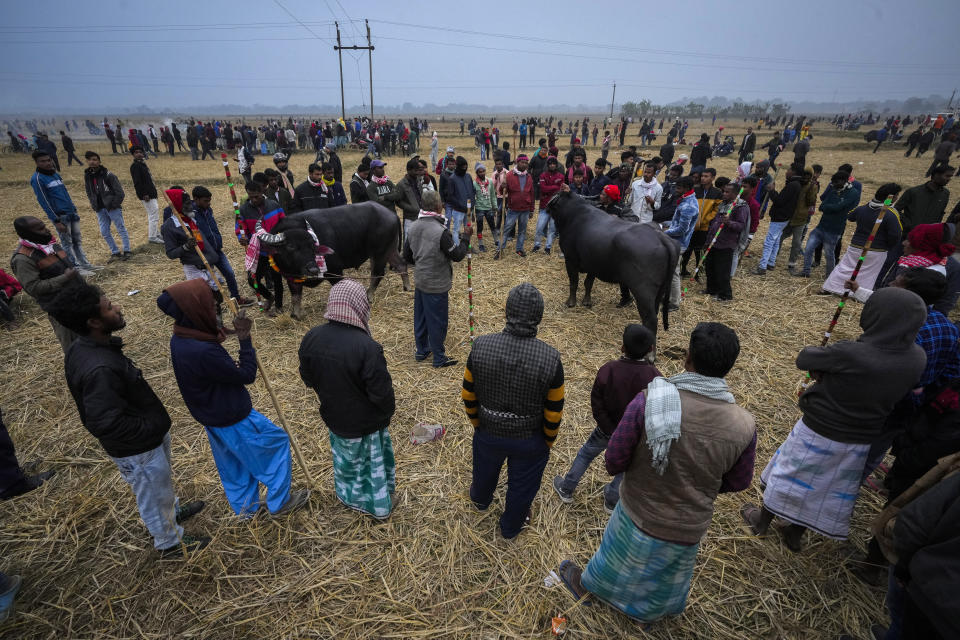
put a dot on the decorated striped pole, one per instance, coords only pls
(470, 270)
(241, 234)
(703, 258)
(846, 294)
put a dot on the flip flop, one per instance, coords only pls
(750, 512)
(566, 571)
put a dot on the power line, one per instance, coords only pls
(287, 11)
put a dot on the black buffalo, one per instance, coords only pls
(637, 256)
(349, 236)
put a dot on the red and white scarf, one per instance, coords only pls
(380, 179)
(48, 249)
(432, 214)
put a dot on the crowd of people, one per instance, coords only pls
(670, 445)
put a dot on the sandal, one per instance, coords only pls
(570, 572)
(751, 516)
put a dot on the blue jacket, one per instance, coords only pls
(684, 221)
(457, 190)
(208, 227)
(53, 197)
(211, 383)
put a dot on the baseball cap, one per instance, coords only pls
(450, 149)
(377, 163)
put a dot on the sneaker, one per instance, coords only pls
(481, 248)
(28, 484)
(759, 271)
(824, 293)
(801, 274)
(244, 302)
(536, 249)
(421, 358)
(188, 510)
(496, 255)
(609, 506)
(92, 267)
(114, 258)
(546, 251)
(296, 500)
(565, 496)
(126, 255)
(155, 241)
(86, 273)
(521, 253)
(188, 542)
(449, 362)
(719, 299)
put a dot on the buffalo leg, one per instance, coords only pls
(574, 275)
(296, 295)
(587, 289)
(378, 267)
(397, 264)
(645, 296)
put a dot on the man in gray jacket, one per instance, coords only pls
(106, 197)
(429, 246)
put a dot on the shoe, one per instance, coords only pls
(816, 264)
(187, 511)
(800, 274)
(86, 273)
(824, 293)
(759, 271)
(521, 253)
(496, 255)
(705, 292)
(188, 542)
(28, 484)
(771, 267)
(535, 249)
(126, 255)
(449, 362)
(155, 241)
(244, 302)
(624, 302)
(565, 496)
(719, 299)
(481, 248)
(421, 358)
(296, 500)
(114, 257)
(7, 597)
(609, 506)
(546, 251)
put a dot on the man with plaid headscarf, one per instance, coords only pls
(513, 394)
(345, 366)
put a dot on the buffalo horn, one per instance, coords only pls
(271, 238)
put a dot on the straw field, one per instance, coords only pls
(437, 568)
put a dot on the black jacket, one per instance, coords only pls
(784, 204)
(143, 181)
(347, 370)
(102, 186)
(666, 154)
(358, 190)
(306, 196)
(67, 143)
(115, 403)
(700, 153)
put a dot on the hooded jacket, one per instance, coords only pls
(457, 189)
(142, 180)
(513, 383)
(863, 379)
(835, 209)
(175, 236)
(785, 203)
(53, 197)
(806, 200)
(103, 189)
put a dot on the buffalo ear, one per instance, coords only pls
(324, 250)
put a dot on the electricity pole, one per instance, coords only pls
(950, 106)
(613, 99)
(369, 48)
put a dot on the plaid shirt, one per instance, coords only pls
(940, 339)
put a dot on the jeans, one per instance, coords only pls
(595, 445)
(104, 218)
(718, 263)
(70, 241)
(545, 227)
(150, 477)
(771, 244)
(430, 318)
(491, 222)
(247, 453)
(513, 217)
(227, 271)
(829, 241)
(153, 218)
(455, 223)
(194, 153)
(796, 242)
(526, 460)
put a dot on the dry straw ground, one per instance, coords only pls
(436, 568)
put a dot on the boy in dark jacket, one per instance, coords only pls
(146, 193)
(781, 211)
(551, 181)
(835, 207)
(732, 219)
(247, 447)
(616, 385)
(118, 407)
(345, 366)
(457, 190)
(207, 223)
(106, 196)
(182, 235)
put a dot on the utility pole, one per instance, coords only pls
(612, 100)
(370, 65)
(343, 106)
(339, 48)
(950, 106)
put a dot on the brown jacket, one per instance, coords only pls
(714, 434)
(807, 199)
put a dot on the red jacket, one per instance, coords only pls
(519, 199)
(550, 184)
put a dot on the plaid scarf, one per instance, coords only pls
(662, 416)
(380, 179)
(347, 303)
(916, 260)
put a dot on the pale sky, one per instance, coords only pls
(90, 56)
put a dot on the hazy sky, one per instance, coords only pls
(89, 56)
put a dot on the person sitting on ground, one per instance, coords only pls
(857, 384)
(513, 423)
(118, 407)
(346, 368)
(247, 448)
(928, 246)
(616, 385)
(679, 444)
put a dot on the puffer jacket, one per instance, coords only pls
(104, 187)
